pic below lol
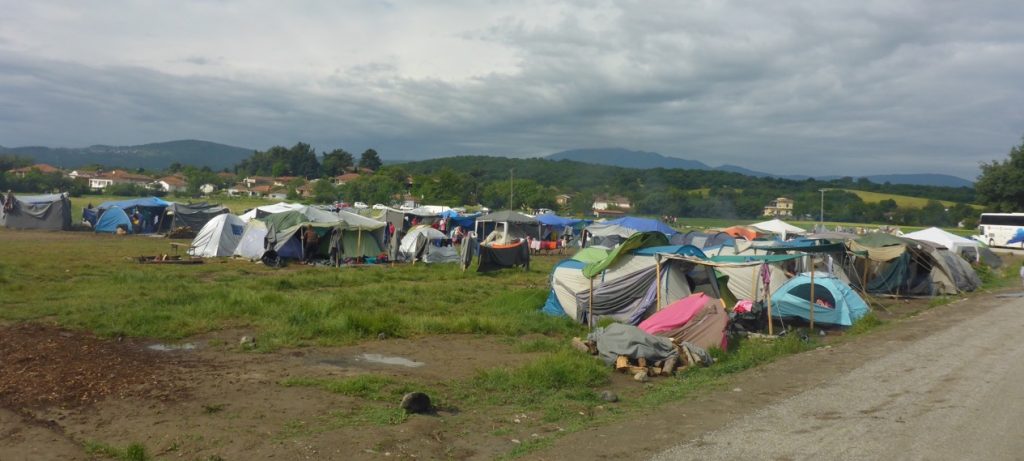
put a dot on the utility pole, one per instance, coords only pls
(821, 218)
(511, 187)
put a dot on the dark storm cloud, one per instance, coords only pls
(820, 88)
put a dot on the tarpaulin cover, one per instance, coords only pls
(550, 219)
(638, 240)
(688, 250)
(793, 300)
(590, 255)
(497, 258)
(626, 299)
(45, 212)
(509, 217)
(880, 247)
(747, 232)
(617, 339)
(698, 319)
(194, 216)
(148, 202)
(628, 225)
(702, 240)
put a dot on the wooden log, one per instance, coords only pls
(579, 345)
(621, 363)
(635, 369)
(669, 366)
(642, 361)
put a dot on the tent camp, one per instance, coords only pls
(835, 302)
(44, 212)
(150, 210)
(611, 233)
(218, 237)
(746, 232)
(779, 227)
(192, 215)
(267, 210)
(944, 239)
(111, 219)
(624, 285)
(342, 234)
(901, 266)
(429, 245)
(252, 244)
(503, 227)
(702, 240)
(698, 319)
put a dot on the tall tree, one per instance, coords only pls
(370, 159)
(337, 162)
(1001, 184)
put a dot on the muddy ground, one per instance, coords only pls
(206, 398)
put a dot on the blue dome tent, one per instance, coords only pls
(793, 300)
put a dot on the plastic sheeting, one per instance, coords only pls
(617, 339)
(698, 319)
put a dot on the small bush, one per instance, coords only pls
(865, 324)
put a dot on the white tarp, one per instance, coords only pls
(251, 244)
(271, 209)
(940, 237)
(780, 227)
(423, 235)
(219, 237)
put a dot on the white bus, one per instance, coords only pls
(997, 229)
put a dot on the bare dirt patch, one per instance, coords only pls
(45, 366)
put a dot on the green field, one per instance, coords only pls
(902, 201)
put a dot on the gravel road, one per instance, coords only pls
(955, 394)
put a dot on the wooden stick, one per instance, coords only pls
(753, 282)
(768, 294)
(657, 282)
(812, 293)
(590, 309)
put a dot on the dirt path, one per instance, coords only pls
(919, 366)
(955, 394)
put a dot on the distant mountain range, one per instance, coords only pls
(160, 155)
(640, 159)
(150, 156)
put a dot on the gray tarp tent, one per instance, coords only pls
(194, 216)
(44, 212)
(511, 225)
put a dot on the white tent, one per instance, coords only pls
(940, 237)
(219, 237)
(271, 209)
(418, 243)
(780, 227)
(252, 242)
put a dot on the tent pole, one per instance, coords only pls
(753, 283)
(768, 294)
(590, 308)
(657, 282)
(812, 293)
(359, 243)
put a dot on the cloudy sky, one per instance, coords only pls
(818, 87)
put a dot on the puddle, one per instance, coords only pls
(171, 347)
(372, 358)
(387, 360)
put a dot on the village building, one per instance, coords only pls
(102, 180)
(40, 167)
(172, 183)
(781, 206)
(605, 203)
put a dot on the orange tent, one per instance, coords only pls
(746, 232)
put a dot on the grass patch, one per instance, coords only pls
(865, 324)
(369, 387)
(133, 452)
(540, 345)
(566, 374)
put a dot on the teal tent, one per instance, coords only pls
(113, 218)
(835, 302)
